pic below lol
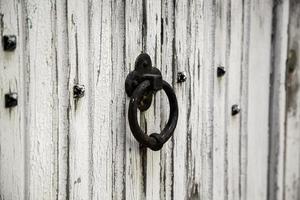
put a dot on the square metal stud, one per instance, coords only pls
(11, 100)
(9, 42)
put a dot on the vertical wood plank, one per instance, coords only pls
(278, 100)
(12, 133)
(233, 96)
(41, 99)
(292, 152)
(167, 66)
(194, 117)
(80, 118)
(244, 99)
(135, 156)
(63, 101)
(258, 98)
(207, 104)
(152, 38)
(118, 116)
(219, 126)
(101, 97)
(181, 65)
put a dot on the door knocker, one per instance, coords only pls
(140, 85)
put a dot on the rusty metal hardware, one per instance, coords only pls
(140, 85)
(78, 91)
(221, 71)
(181, 77)
(235, 109)
(11, 100)
(9, 42)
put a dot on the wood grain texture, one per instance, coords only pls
(101, 97)
(292, 152)
(181, 64)
(40, 99)
(222, 28)
(53, 146)
(167, 66)
(79, 113)
(64, 94)
(135, 162)
(259, 66)
(118, 99)
(151, 30)
(278, 101)
(234, 55)
(12, 120)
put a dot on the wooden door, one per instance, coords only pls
(56, 146)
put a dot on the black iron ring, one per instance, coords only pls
(154, 141)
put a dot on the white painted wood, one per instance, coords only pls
(53, 146)
(181, 65)
(194, 106)
(134, 155)
(258, 98)
(292, 129)
(222, 27)
(234, 66)
(118, 116)
(101, 97)
(207, 99)
(244, 99)
(63, 101)
(12, 134)
(167, 66)
(151, 44)
(40, 100)
(80, 140)
(278, 101)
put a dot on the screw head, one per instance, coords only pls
(78, 91)
(291, 60)
(181, 77)
(221, 71)
(11, 100)
(235, 109)
(9, 42)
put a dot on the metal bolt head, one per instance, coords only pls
(78, 91)
(11, 100)
(181, 77)
(291, 60)
(9, 42)
(221, 71)
(235, 109)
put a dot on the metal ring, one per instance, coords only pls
(154, 141)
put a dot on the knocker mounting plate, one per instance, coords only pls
(143, 70)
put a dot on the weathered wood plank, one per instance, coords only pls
(278, 100)
(292, 129)
(207, 98)
(101, 93)
(80, 143)
(63, 102)
(234, 66)
(167, 66)
(222, 9)
(12, 120)
(135, 156)
(195, 55)
(40, 100)
(258, 85)
(181, 64)
(151, 45)
(118, 116)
